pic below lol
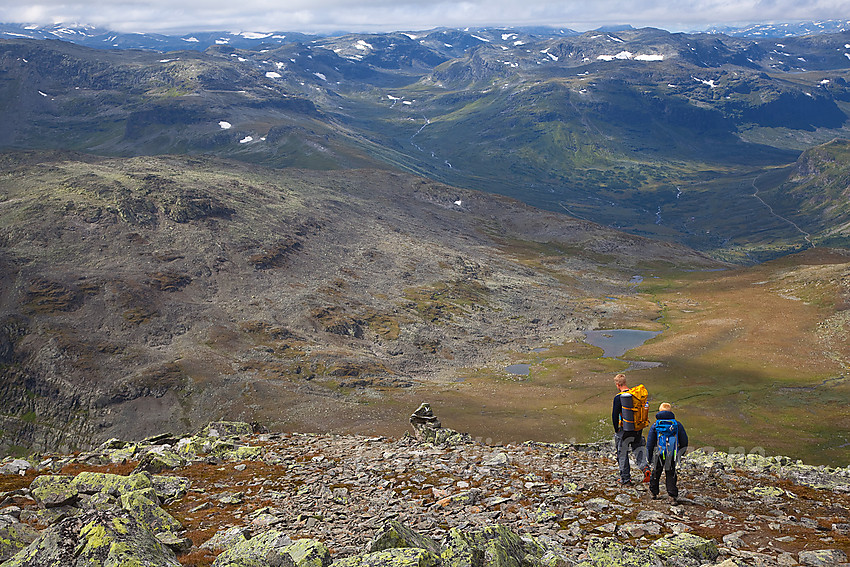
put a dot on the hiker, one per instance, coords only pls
(628, 434)
(665, 442)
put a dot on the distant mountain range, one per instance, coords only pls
(660, 134)
(99, 38)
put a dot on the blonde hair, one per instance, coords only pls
(665, 407)
(620, 379)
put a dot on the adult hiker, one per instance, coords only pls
(666, 442)
(629, 418)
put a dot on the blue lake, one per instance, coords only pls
(520, 369)
(615, 342)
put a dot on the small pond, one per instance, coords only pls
(521, 369)
(615, 342)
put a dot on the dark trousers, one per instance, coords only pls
(659, 464)
(634, 441)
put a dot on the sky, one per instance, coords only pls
(171, 16)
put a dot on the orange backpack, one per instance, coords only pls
(635, 413)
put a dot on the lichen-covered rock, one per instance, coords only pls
(608, 552)
(123, 454)
(822, 557)
(491, 546)
(244, 453)
(51, 491)
(95, 539)
(309, 553)
(227, 429)
(396, 535)
(92, 482)
(459, 551)
(685, 545)
(144, 508)
(14, 536)
(265, 550)
(396, 557)
(227, 539)
(158, 459)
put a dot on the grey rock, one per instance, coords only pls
(227, 538)
(265, 550)
(16, 466)
(608, 552)
(97, 538)
(822, 557)
(396, 535)
(685, 545)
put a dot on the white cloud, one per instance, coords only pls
(257, 17)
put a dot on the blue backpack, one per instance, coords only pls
(667, 431)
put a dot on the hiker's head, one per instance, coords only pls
(620, 381)
(665, 407)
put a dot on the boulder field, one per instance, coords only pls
(233, 496)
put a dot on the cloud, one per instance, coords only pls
(386, 15)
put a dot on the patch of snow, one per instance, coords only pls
(458, 202)
(504, 47)
(710, 83)
(411, 36)
(167, 60)
(825, 82)
(321, 76)
(808, 94)
(649, 57)
(518, 42)
(449, 45)
(362, 45)
(255, 35)
(241, 59)
(617, 39)
(273, 75)
(225, 125)
(552, 57)
(246, 139)
(223, 41)
(391, 97)
(407, 102)
(42, 94)
(479, 38)
(507, 36)
(847, 55)
(278, 36)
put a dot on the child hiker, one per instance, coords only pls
(665, 443)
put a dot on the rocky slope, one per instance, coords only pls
(155, 293)
(230, 497)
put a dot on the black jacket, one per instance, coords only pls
(616, 412)
(652, 437)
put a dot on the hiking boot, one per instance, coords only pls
(647, 474)
(626, 483)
